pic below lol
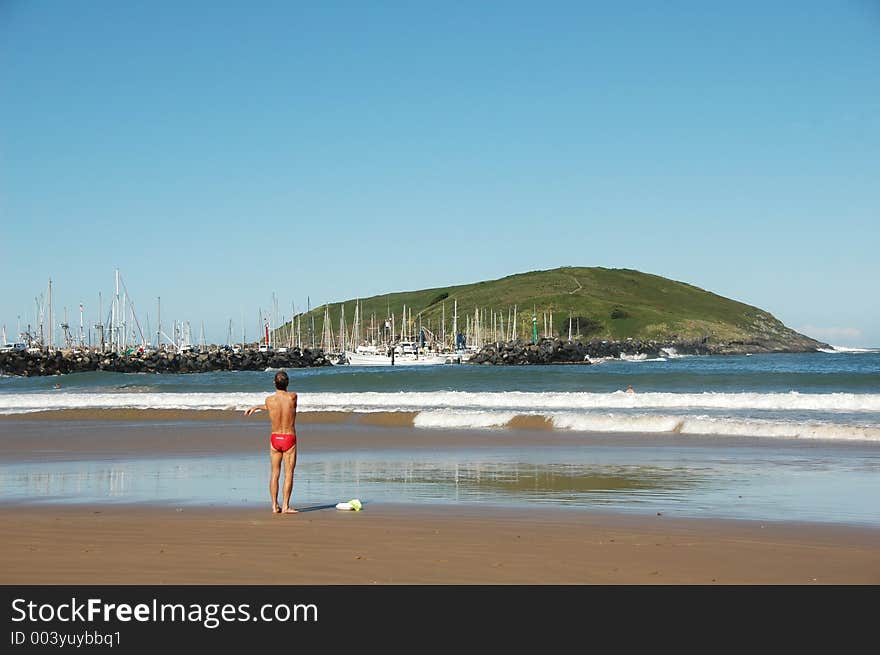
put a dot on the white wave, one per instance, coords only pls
(672, 353)
(612, 423)
(36, 402)
(654, 424)
(542, 401)
(641, 357)
(704, 425)
(455, 419)
(834, 350)
(511, 401)
(567, 411)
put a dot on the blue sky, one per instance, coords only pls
(220, 152)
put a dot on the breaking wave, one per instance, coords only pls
(513, 401)
(784, 415)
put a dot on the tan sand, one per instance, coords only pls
(412, 545)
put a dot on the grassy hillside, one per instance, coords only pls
(603, 303)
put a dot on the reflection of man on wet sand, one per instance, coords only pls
(282, 444)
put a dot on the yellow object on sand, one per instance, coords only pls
(353, 504)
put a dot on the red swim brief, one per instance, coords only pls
(282, 442)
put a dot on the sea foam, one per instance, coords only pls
(834, 350)
(679, 413)
(705, 425)
(511, 401)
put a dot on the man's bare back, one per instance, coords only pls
(281, 406)
(282, 442)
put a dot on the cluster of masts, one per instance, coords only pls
(120, 330)
(478, 328)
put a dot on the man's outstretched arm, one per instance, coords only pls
(255, 408)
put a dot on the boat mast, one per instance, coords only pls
(115, 322)
(50, 341)
(99, 326)
(355, 327)
(455, 325)
(342, 327)
(290, 331)
(310, 326)
(327, 332)
(124, 319)
(273, 321)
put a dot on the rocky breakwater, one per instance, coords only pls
(558, 351)
(546, 351)
(29, 364)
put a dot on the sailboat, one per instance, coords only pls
(394, 356)
(405, 353)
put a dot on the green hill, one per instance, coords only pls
(613, 304)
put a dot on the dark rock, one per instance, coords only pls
(29, 364)
(556, 351)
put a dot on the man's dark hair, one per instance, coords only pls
(281, 380)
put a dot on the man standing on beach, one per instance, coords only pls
(282, 444)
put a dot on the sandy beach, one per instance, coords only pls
(117, 542)
(405, 545)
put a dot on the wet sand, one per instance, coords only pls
(105, 434)
(386, 543)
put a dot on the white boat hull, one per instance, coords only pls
(363, 359)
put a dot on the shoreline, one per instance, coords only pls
(392, 544)
(85, 434)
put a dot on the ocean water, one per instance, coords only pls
(819, 396)
(762, 437)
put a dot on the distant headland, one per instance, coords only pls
(570, 315)
(570, 304)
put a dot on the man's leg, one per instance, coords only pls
(289, 465)
(275, 458)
